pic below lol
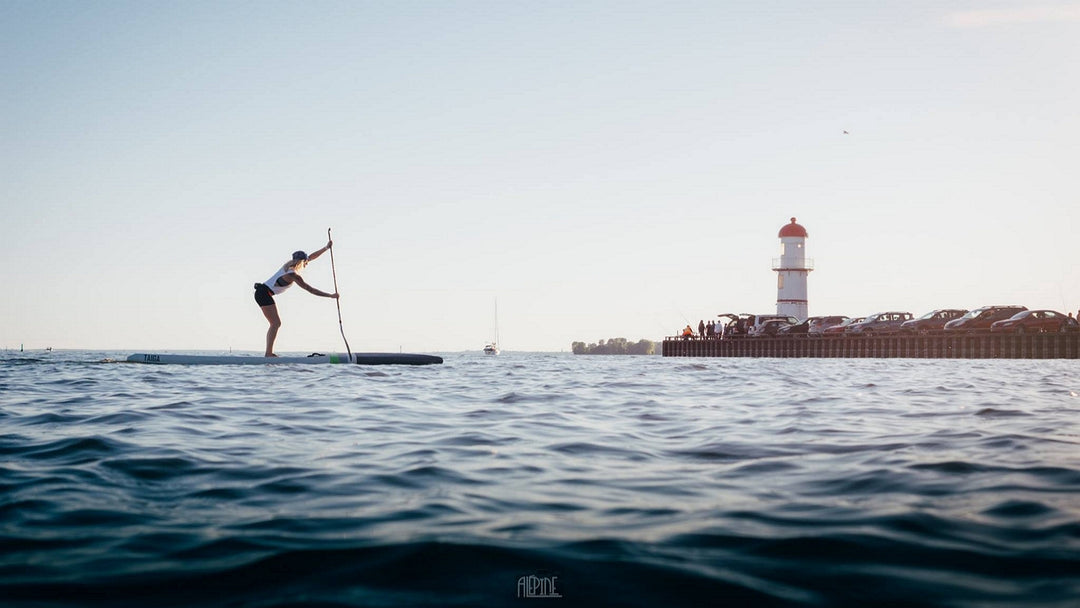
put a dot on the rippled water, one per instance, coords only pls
(629, 481)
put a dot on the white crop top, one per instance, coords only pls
(272, 282)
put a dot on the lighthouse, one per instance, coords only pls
(792, 268)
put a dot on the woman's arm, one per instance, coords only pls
(316, 254)
(299, 281)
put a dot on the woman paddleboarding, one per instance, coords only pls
(285, 277)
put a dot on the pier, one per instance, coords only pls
(941, 345)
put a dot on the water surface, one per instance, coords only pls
(632, 481)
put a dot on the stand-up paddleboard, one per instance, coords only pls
(360, 358)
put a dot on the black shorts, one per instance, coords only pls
(263, 295)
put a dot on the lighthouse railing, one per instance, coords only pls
(790, 264)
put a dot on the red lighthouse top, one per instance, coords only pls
(793, 229)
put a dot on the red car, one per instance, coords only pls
(842, 327)
(822, 324)
(933, 320)
(1036, 321)
(983, 318)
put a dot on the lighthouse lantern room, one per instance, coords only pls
(792, 268)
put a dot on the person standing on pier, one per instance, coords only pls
(701, 329)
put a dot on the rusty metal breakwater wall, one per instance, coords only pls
(984, 345)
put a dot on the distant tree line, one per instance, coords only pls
(615, 346)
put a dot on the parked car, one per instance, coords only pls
(820, 324)
(841, 327)
(736, 324)
(770, 327)
(983, 318)
(798, 328)
(758, 322)
(933, 320)
(1035, 321)
(879, 323)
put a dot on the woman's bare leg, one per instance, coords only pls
(271, 334)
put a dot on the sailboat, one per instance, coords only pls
(492, 348)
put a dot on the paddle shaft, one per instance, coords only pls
(338, 299)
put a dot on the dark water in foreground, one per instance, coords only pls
(608, 481)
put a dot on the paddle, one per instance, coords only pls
(338, 299)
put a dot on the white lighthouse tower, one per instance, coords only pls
(792, 268)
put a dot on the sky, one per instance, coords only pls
(598, 169)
